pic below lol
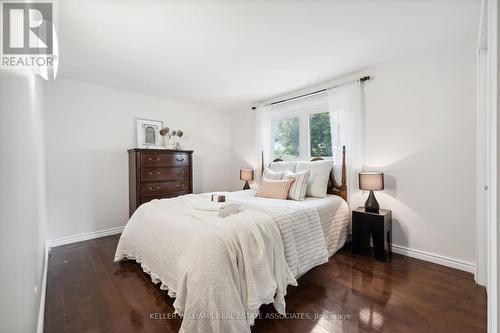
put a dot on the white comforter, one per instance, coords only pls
(221, 270)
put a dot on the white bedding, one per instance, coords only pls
(333, 214)
(334, 217)
(222, 269)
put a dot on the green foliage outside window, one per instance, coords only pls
(286, 135)
(286, 138)
(320, 134)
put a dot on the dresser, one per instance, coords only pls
(158, 173)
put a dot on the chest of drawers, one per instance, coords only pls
(157, 174)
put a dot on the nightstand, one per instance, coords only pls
(378, 226)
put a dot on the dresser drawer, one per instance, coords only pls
(164, 160)
(158, 174)
(155, 174)
(155, 189)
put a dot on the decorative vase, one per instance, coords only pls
(167, 142)
(178, 143)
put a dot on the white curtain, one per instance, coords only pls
(263, 135)
(346, 108)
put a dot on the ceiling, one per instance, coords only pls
(225, 54)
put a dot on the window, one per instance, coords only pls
(319, 135)
(301, 130)
(286, 138)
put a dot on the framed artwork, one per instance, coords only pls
(148, 133)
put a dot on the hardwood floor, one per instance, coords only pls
(87, 292)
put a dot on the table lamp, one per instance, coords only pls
(371, 181)
(246, 175)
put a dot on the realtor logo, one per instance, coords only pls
(27, 28)
(29, 41)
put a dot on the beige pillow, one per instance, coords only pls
(274, 189)
(299, 186)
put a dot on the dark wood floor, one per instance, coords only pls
(87, 292)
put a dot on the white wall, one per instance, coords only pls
(420, 122)
(22, 202)
(493, 44)
(88, 131)
(244, 150)
(420, 130)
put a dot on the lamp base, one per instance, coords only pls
(247, 186)
(371, 204)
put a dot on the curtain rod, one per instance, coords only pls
(363, 79)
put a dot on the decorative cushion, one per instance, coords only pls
(273, 175)
(274, 189)
(282, 166)
(299, 186)
(318, 179)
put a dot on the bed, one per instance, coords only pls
(333, 213)
(221, 270)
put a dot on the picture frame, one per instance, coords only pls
(148, 133)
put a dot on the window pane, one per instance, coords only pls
(320, 135)
(286, 138)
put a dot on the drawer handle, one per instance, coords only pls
(179, 186)
(151, 173)
(154, 188)
(156, 159)
(180, 172)
(180, 159)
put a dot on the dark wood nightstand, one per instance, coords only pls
(378, 226)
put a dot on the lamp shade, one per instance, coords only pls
(246, 174)
(371, 181)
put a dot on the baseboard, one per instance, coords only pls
(43, 291)
(435, 258)
(417, 254)
(84, 237)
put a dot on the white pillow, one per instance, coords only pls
(299, 186)
(282, 166)
(272, 175)
(318, 179)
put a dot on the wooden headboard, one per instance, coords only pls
(333, 186)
